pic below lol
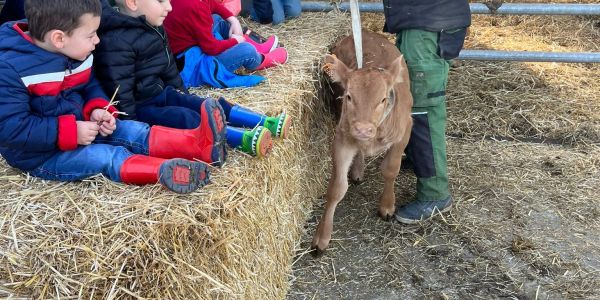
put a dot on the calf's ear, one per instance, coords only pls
(397, 70)
(336, 69)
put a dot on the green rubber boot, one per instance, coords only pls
(256, 142)
(240, 116)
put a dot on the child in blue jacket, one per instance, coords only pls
(56, 122)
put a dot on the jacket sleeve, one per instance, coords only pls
(115, 67)
(201, 27)
(218, 8)
(95, 98)
(20, 128)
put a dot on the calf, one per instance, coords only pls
(375, 118)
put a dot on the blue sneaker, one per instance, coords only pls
(417, 211)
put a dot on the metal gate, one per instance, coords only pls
(504, 9)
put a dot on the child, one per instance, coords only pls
(133, 56)
(209, 25)
(56, 122)
(429, 33)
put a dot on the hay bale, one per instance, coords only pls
(233, 239)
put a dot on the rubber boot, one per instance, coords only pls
(265, 47)
(205, 143)
(240, 116)
(279, 56)
(178, 175)
(256, 142)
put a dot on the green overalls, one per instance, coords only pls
(427, 147)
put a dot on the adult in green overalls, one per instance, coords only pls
(429, 33)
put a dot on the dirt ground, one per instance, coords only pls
(524, 163)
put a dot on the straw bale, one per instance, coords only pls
(233, 239)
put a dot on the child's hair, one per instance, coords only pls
(44, 15)
(120, 4)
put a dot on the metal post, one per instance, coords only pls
(356, 32)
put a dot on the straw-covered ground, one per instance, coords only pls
(524, 163)
(234, 239)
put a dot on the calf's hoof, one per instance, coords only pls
(316, 252)
(386, 213)
(356, 180)
(318, 245)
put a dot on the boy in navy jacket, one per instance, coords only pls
(134, 55)
(56, 122)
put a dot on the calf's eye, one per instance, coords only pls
(383, 100)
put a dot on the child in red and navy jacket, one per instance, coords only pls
(56, 122)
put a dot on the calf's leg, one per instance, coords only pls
(338, 185)
(390, 167)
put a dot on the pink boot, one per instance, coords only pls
(278, 56)
(263, 48)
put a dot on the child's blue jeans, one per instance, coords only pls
(106, 155)
(240, 55)
(171, 108)
(282, 9)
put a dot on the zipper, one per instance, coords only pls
(69, 66)
(165, 43)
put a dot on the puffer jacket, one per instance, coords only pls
(42, 95)
(430, 15)
(134, 56)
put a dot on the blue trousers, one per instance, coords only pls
(171, 108)
(240, 55)
(105, 156)
(282, 9)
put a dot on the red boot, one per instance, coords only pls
(179, 175)
(276, 57)
(206, 143)
(265, 47)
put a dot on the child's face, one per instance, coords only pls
(155, 10)
(83, 40)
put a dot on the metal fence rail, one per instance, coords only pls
(476, 8)
(505, 9)
(533, 56)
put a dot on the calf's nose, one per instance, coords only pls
(363, 131)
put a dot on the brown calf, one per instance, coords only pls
(375, 118)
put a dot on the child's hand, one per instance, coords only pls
(86, 132)
(106, 121)
(238, 38)
(235, 26)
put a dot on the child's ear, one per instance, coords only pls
(131, 5)
(57, 38)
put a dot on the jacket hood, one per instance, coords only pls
(13, 38)
(113, 19)
(14, 41)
